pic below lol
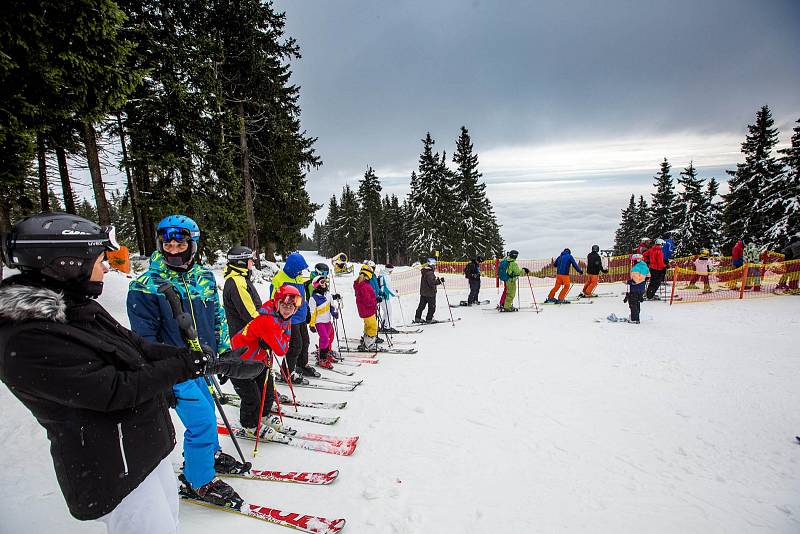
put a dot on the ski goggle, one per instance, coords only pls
(111, 241)
(291, 300)
(171, 233)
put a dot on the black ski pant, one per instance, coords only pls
(635, 304)
(656, 277)
(250, 392)
(430, 302)
(297, 355)
(474, 289)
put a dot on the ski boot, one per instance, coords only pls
(511, 309)
(227, 464)
(553, 300)
(310, 371)
(324, 361)
(691, 286)
(296, 378)
(215, 492)
(582, 296)
(564, 301)
(368, 344)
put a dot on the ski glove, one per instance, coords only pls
(313, 329)
(337, 296)
(441, 279)
(228, 363)
(526, 271)
(378, 299)
(334, 314)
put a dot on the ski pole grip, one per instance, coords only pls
(184, 320)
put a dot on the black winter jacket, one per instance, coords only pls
(595, 264)
(473, 270)
(239, 298)
(428, 282)
(97, 389)
(792, 251)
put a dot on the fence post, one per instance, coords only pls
(674, 285)
(497, 272)
(744, 280)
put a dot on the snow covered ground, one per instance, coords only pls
(522, 423)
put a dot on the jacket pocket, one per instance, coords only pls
(122, 450)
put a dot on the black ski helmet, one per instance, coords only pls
(513, 254)
(595, 248)
(322, 268)
(58, 245)
(239, 255)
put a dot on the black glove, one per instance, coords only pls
(626, 298)
(526, 271)
(378, 299)
(337, 296)
(441, 279)
(313, 329)
(228, 363)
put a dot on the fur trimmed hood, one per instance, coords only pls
(20, 302)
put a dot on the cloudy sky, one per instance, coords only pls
(571, 104)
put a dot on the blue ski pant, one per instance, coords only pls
(196, 409)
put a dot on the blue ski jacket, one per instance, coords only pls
(564, 261)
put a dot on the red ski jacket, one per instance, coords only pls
(267, 331)
(655, 258)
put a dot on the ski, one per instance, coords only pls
(337, 380)
(338, 441)
(297, 477)
(356, 360)
(285, 400)
(403, 332)
(330, 387)
(437, 321)
(596, 295)
(345, 449)
(319, 419)
(582, 301)
(384, 342)
(382, 350)
(517, 310)
(338, 371)
(303, 523)
(463, 304)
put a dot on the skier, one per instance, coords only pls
(593, 268)
(472, 272)
(151, 317)
(791, 262)
(637, 281)
(240, 297)
(668, 248)
(296, 360)
(654, 258)
(322, 310)
(752, 259)
(643, 246)
(702, 268)
(427, 291)
(367, 304)
(385, 293)
(563, 264)
(267, 335)
(97, 388)
(737, 259)
(511, 271)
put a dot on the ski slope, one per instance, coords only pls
(511, 423)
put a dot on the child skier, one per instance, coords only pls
(266, 335)
(637, 282)
(472, 272)
(702, 266)
(322, 310)
(385, 293)
(367, 305)
(563, 264)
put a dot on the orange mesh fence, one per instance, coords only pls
(752, 280)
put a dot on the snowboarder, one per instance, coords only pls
(267, 335)
(95, 386)
(367, 304)
(385, 293)
(472, 272)
(636, 282)
(427, 291)
(509, 272)
(593, 268)
(563, 264)
(654, 257)
(240, 297)
(323, 310)
(151, 317)
(297, 358)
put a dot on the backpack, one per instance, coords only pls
(503, 271)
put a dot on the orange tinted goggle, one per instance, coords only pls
(292, 300)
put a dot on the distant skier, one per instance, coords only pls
(472, 272)
(752, 258)
(367, 304)
(702, 268)
(427, 291)
(563, 264)
(385, 293)
(509, 272)
(668, 248)
(654, 257)
(791, 263)
(323, 311)
(642, 247)
(636, 282)
(240, 297)
(593, 268)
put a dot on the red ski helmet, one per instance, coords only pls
(288, 294)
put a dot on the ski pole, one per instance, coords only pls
(341, 315)
(530, 285)
(400, 302)
(263, 401)
(452, 321)
(378, 317)
(189, 334)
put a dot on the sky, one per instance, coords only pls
(571, 105)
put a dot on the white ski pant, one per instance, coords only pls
(152, 507)
(386, 313)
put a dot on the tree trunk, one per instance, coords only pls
(252, 235)
(93, 159)
(44, 200)
(133, 188)
(148, 226)
(66, 185)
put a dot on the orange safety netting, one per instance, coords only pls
(119, 259)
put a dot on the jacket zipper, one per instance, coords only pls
(122, 450)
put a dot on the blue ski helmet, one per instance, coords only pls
(182, 229)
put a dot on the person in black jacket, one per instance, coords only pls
(240, 297)
(472, 272)
(95, 386)
(593, 268)
(427, 292)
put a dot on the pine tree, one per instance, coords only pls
(625, 238)
(714, 216)
(349, 224)
(689, 235)
(330, 236)
(369, 196)
(745, 214)
(477, 232)
(782, 202)
(664, 210)
(423, 203)
(643, 220)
